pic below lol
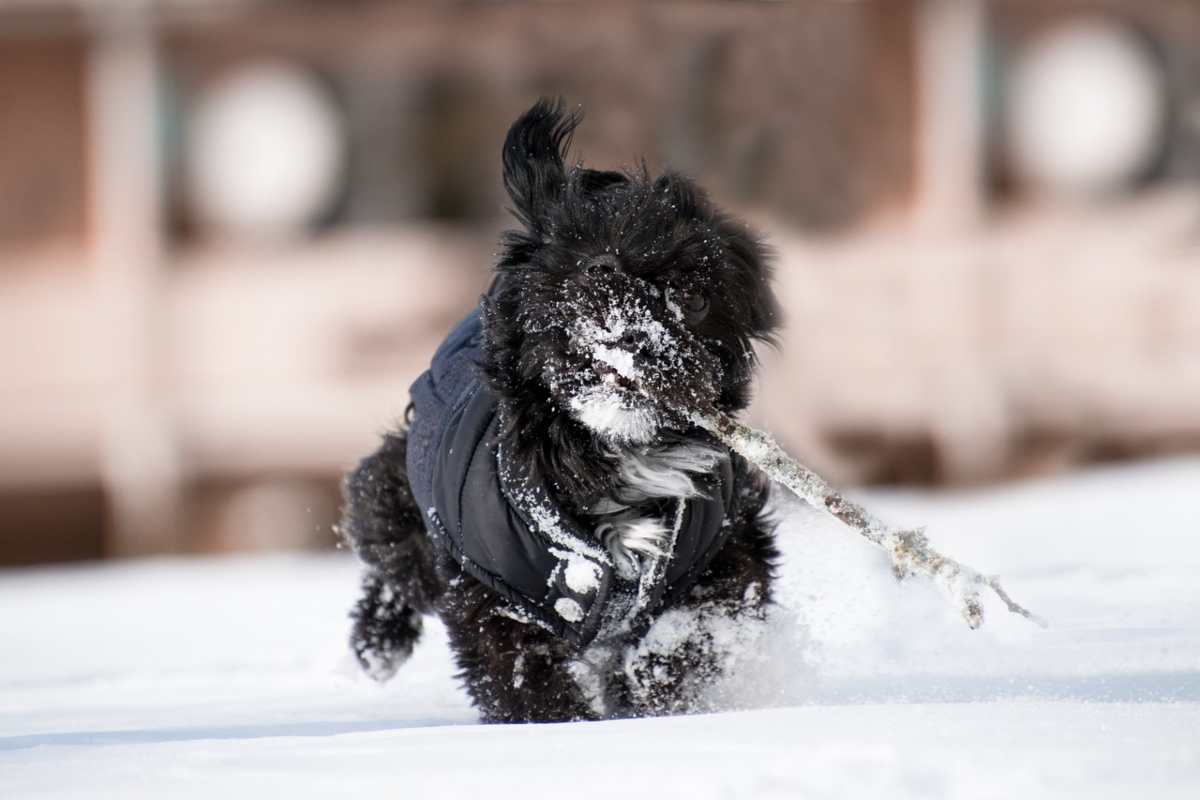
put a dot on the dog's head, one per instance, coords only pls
(626, 300)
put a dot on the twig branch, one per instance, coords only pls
(909, 550)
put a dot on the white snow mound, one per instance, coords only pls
(225, 677)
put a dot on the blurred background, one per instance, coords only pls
(232, 232)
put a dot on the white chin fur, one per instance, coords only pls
(604, 413)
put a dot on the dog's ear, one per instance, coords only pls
(534, 151)
(749, 257)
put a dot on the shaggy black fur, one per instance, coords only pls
(591, 241)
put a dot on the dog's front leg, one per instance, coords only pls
(381, 522)
(679, 663)
(514, 670)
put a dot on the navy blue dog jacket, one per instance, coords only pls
(502, 526)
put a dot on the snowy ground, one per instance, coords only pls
(228, 678)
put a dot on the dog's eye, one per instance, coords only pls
(596, 269)
(693, 305)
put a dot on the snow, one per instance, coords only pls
(568, 609)
(581, 576)
(230, 677)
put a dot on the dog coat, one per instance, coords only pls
(502, 524)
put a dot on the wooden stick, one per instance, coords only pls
(909, 550)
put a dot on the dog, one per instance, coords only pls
(591, 552)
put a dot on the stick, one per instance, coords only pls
(909, 550)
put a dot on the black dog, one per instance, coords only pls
(591, 552)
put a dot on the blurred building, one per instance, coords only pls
(231, 232)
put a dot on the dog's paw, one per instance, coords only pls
(681, 661)
(385, 630)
